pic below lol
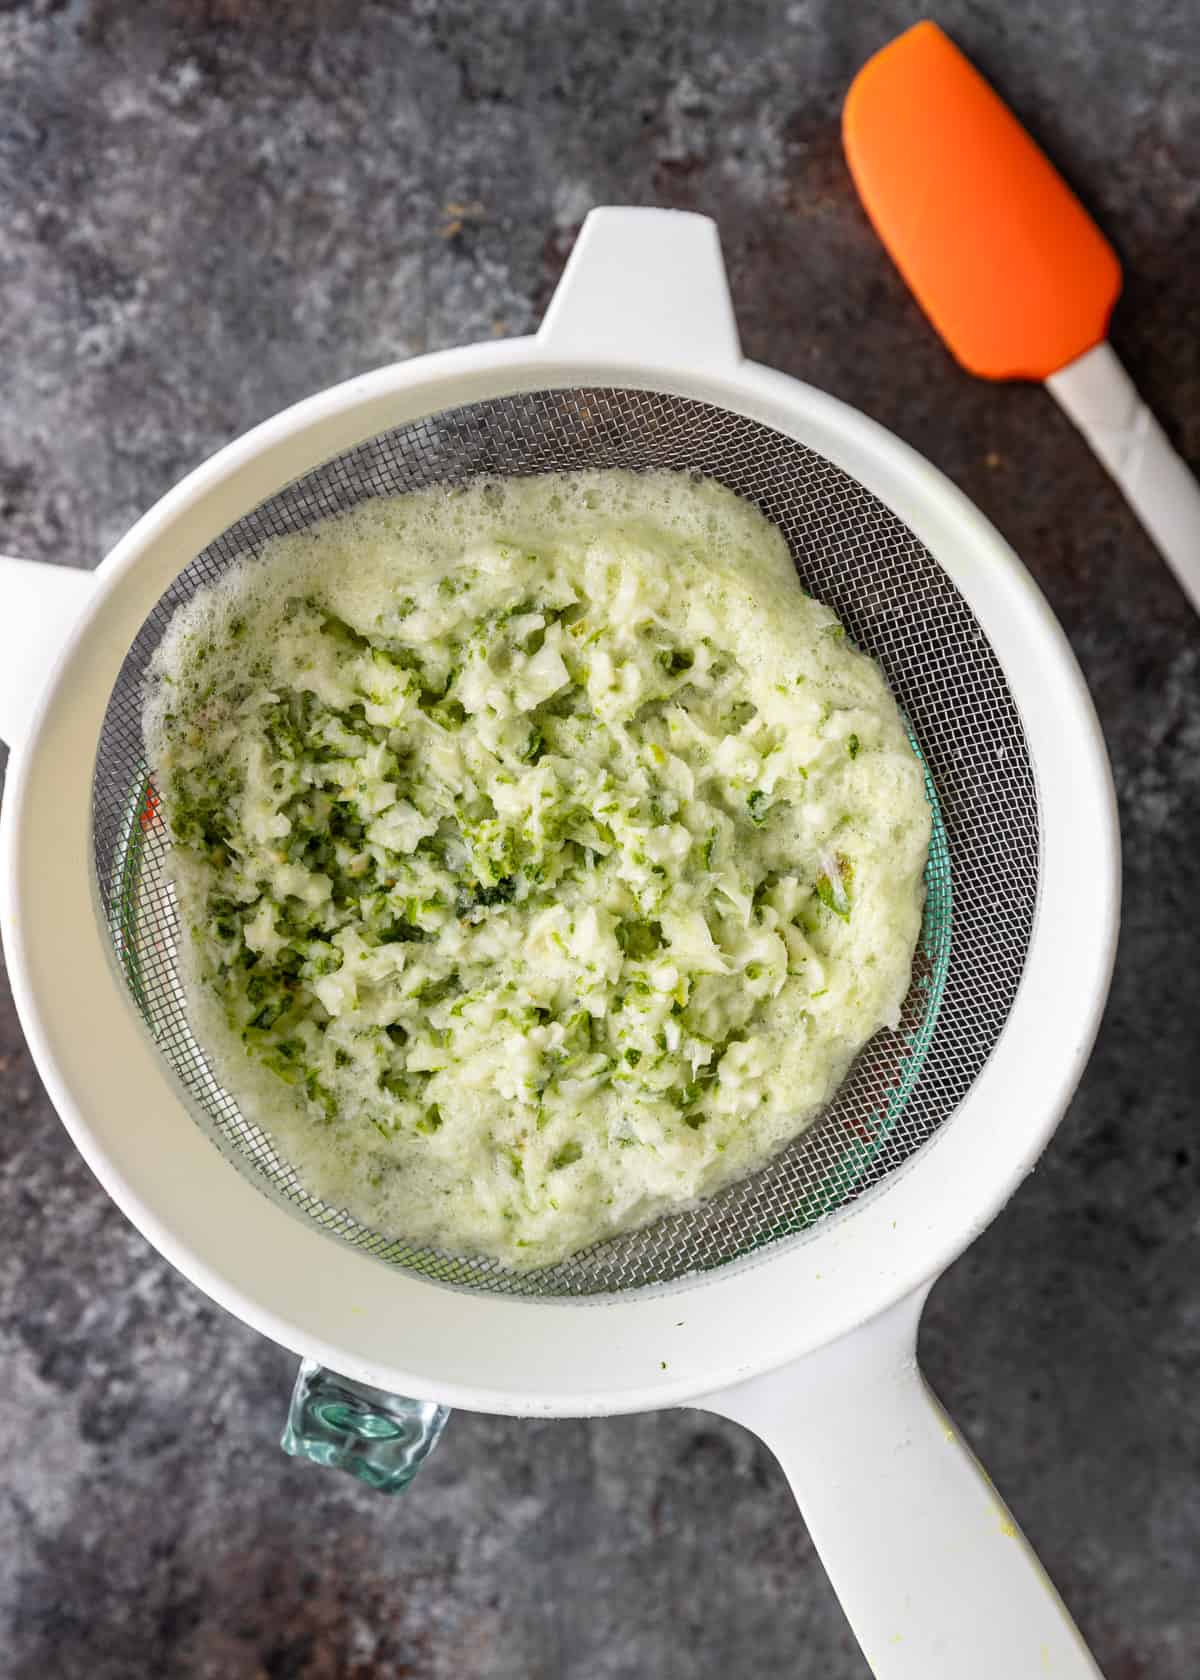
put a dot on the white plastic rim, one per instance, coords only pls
(633, 1351)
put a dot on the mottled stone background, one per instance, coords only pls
(209, 208)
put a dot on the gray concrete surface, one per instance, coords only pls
(209, 208)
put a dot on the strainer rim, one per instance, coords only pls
(934, 511)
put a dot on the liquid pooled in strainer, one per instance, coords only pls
(544, 854)
(896, 602)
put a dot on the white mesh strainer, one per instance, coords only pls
(637, 365)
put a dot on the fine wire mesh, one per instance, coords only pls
(895, 602)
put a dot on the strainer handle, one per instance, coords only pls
(379, 1438)
(935, 1578)
(646, 287)
(38, 606)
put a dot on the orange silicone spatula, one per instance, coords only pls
(1007, 263)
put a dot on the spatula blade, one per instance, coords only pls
(999, 252)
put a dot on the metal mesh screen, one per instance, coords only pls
(895, 602)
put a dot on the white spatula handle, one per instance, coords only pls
(935, 1578)
(1103, 402)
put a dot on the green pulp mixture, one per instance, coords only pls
(545, 855)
